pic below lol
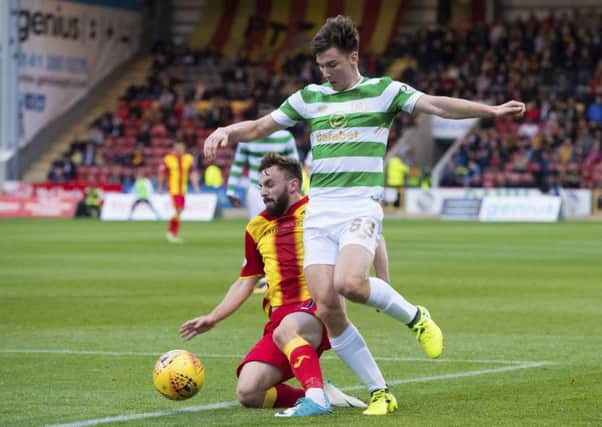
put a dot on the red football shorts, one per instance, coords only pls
(178, 202)
(267, 352)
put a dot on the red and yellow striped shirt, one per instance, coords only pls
(177, 168)
(274, 247)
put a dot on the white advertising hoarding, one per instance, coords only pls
(67, 47)
(520, 209)
(575, 203)
(118, 207)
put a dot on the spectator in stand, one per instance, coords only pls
(473, 177)
(200, 92)
(189, 112)
(95, 134)
(138, 158)
(594, 111)
(158, 128)
(89, 155)
(134, 111)
(219, 114)
(111, 124)
(56, 174)
(62, 170)
(69, 168)
(144, 135)
(172, 126)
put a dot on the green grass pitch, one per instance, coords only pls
(86, 307)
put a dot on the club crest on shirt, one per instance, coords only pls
(337, 120)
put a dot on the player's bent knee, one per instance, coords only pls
(281, 336)
(351, 287)
(332, 316)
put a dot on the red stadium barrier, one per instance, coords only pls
(38, 207)
(69, 189)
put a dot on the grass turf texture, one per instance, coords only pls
(500, 292)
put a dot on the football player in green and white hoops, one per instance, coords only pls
(349, 117)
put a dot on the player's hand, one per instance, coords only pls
(196, 326)
(510, 108)
(234, 201)
(217, 138)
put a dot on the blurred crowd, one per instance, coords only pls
(553, 64)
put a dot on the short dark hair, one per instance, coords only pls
(339, 32)
(291, 166)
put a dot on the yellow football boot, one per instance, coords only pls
(428, 334)
(381, 403)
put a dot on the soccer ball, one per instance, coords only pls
(178, 375)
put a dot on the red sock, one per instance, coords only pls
(304, 363)
(174, 225)
(282, 396)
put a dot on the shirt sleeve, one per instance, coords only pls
(241, 159)
(252, 265)
(405, 98)
(287, 114)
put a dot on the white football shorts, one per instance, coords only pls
(331, 224)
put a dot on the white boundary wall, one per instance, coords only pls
(575, 203)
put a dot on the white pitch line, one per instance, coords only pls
(444, 360)
(240, 356)
(465, 374)
(144, 415)
(106, 353)
(223, 405)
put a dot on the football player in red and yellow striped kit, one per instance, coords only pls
(175, 170)
(294, 338)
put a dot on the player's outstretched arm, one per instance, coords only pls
(248, 130)
(238, 293)
(457, 108)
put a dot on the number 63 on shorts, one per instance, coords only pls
(361, 231)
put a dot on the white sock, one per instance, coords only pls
(386, 299)
(352, 349)
(317, 395)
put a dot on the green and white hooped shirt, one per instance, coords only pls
(348, 133)
(250, 154)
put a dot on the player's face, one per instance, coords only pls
(275, 189)
(338, 68)
(180, 148)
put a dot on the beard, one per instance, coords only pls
(279, 206)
